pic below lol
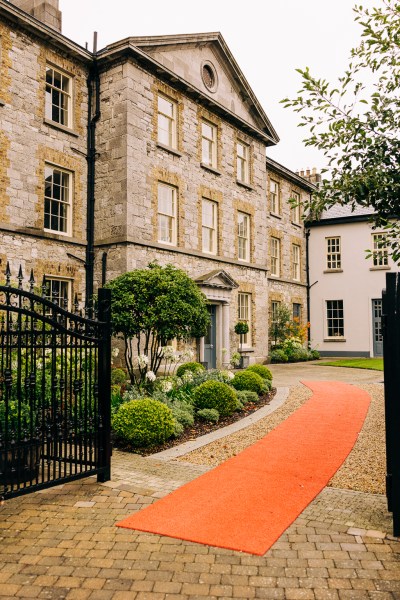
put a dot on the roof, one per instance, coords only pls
(273, 165)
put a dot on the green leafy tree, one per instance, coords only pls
(356, 124)
(149, 308)
(281, 320)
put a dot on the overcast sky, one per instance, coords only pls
(268, 38)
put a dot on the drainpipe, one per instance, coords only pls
(93, 84)
(308, 282)
(103, 269)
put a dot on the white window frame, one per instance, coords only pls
(167, 216)
(209, 144)
(57, 98)
(55, 295)
(333, 253)
(274, 197)
(243, 162)
(296, 261)
(167, 123)
(243, 233)
(209, 223)
(335, 319)
(244, 314)
(380, 257)
(295, 208)
(55, 207)
(275, 250)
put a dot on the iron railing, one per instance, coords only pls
(391, 362)
(54, 389)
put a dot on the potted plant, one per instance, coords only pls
(241, 328)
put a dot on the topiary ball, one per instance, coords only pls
(143, 422)
(215, 394)
(194, 367)
(246, 380)
(261, 370)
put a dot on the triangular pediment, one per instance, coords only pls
(217, 279)
(186, 56)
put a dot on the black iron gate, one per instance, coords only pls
(54, 389)
(391, 355)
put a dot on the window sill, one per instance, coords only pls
(298, 225)
(244, 350)
(61, 127)
(383, 268)
(169, 149)
(210, 168)
(334, 339)
(245, 185)
(275, 215)
(333, 271)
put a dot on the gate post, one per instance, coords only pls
(391, 354)
(104, 382)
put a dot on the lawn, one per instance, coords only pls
(375, 364)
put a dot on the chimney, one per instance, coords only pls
(46, 11)
(311, 175)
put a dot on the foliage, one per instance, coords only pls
(241, 328)
(246, 380)
(118, 376)
(235, 359)
(215, 394)
(356, 124)
(261, 370)
(279, 327)
(278, 356)
(117, 398)
(208, 414)
(143, 422)
(150, 307)
(314, 354)
(246, 396)
(15, 410)
(189, 366)
(182, 414)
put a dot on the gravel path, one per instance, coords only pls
(363, 470)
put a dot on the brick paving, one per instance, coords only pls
(62, 543)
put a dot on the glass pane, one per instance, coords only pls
(165, 106)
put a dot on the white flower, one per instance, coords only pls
(151, 376)
(188, 354)
(142, 360)
(168, 352)
(230, 375)
(187, 376)
(115, 352)
(166, 386)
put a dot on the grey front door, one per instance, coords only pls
(210, 340)
(377, 327)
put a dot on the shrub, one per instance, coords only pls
(299, 355)
(314, 355)
(194, 367)
(209, 414)
(118, 376)
(278, 356)
(182, 415)
(215, 394)
(246, 380)
(261, 370)
(267, 385)
(246, 396)
(143, 422)
(178, 429)
(116, 398)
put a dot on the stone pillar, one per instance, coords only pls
(225, 334)
(46, 11)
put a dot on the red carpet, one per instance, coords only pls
(247, 502)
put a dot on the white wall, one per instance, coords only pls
(358, 283)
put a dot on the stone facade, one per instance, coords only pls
(198, 76)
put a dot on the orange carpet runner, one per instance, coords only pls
(247, 502)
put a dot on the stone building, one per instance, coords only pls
(153, 148)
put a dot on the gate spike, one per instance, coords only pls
(8, 275)
(20, 278)
(44, 286)
(31, 282)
